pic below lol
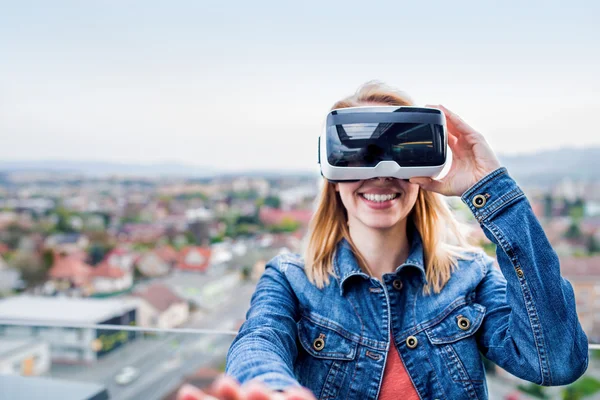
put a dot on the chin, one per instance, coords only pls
(381, 223)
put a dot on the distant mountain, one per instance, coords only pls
(546, 167)
(72, 169)
(101, 168)
(540, 168)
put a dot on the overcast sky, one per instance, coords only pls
(248, 84)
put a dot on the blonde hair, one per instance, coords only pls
(442, 235)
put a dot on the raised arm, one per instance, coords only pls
(531, 327)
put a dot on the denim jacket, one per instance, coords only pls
(335, 341)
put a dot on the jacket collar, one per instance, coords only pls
(346, 265)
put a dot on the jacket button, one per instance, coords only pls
(479, 200)
(319, 343)
(397, 284)
(411, 342)
(463, 322)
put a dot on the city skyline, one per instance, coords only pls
(241, 86)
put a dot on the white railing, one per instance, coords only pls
(592, 346)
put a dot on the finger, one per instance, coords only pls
(254, 390)
(429, 184)
(456, 123)
(227, 388)
(189, 392)
(299, 393)
(452, 141)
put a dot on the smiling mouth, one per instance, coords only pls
(379, 198)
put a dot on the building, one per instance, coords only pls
(121, 257)
(10, 279)
(275, 216)
(157, 262)
(62, 315)
(19, 387)
(24, 357)
(67, 242)
(159, 307)
(194, 258)
(110, 279)
(584, 275)
(199, 222)
(140, 233)
(70, 272)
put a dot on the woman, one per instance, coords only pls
(393, 302)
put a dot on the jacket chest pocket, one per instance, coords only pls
(324, 364)
(454, 340)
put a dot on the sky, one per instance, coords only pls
(247, 85)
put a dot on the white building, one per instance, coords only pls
(159, 307)
(108, 279)
(24, 357)
(55, 320)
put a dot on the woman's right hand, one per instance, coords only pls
(227, 388)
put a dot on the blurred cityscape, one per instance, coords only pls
(178, 257)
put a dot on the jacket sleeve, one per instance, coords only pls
(265, 346)
(531, 327)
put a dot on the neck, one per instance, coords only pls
(382, 249)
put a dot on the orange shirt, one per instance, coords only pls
(396, 383)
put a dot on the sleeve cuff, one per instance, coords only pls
(492, 193)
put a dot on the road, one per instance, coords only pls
(165, 360)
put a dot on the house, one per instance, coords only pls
(140, 233)
(194, 258)
(67, 242)
(159, 307)
(275, 216)
(107, 278)
(584, 275)
(68, 272)
(121, 257)
(157, 262)
(10, 278)
(4, 249)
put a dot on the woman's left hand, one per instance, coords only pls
(472, 158)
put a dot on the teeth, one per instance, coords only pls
(379, 197)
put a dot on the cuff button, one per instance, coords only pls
(479, 200)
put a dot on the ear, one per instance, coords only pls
(337, 187)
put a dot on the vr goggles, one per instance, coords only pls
(383, 141)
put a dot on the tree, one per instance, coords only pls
(574, 231)
(97, 252)
(272, 201)
(534, 390)
(33, 270)
(593, 246)
(64, 217)
(548, 205)
(582, 388)
(286, 225)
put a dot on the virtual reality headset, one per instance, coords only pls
(383, 141)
